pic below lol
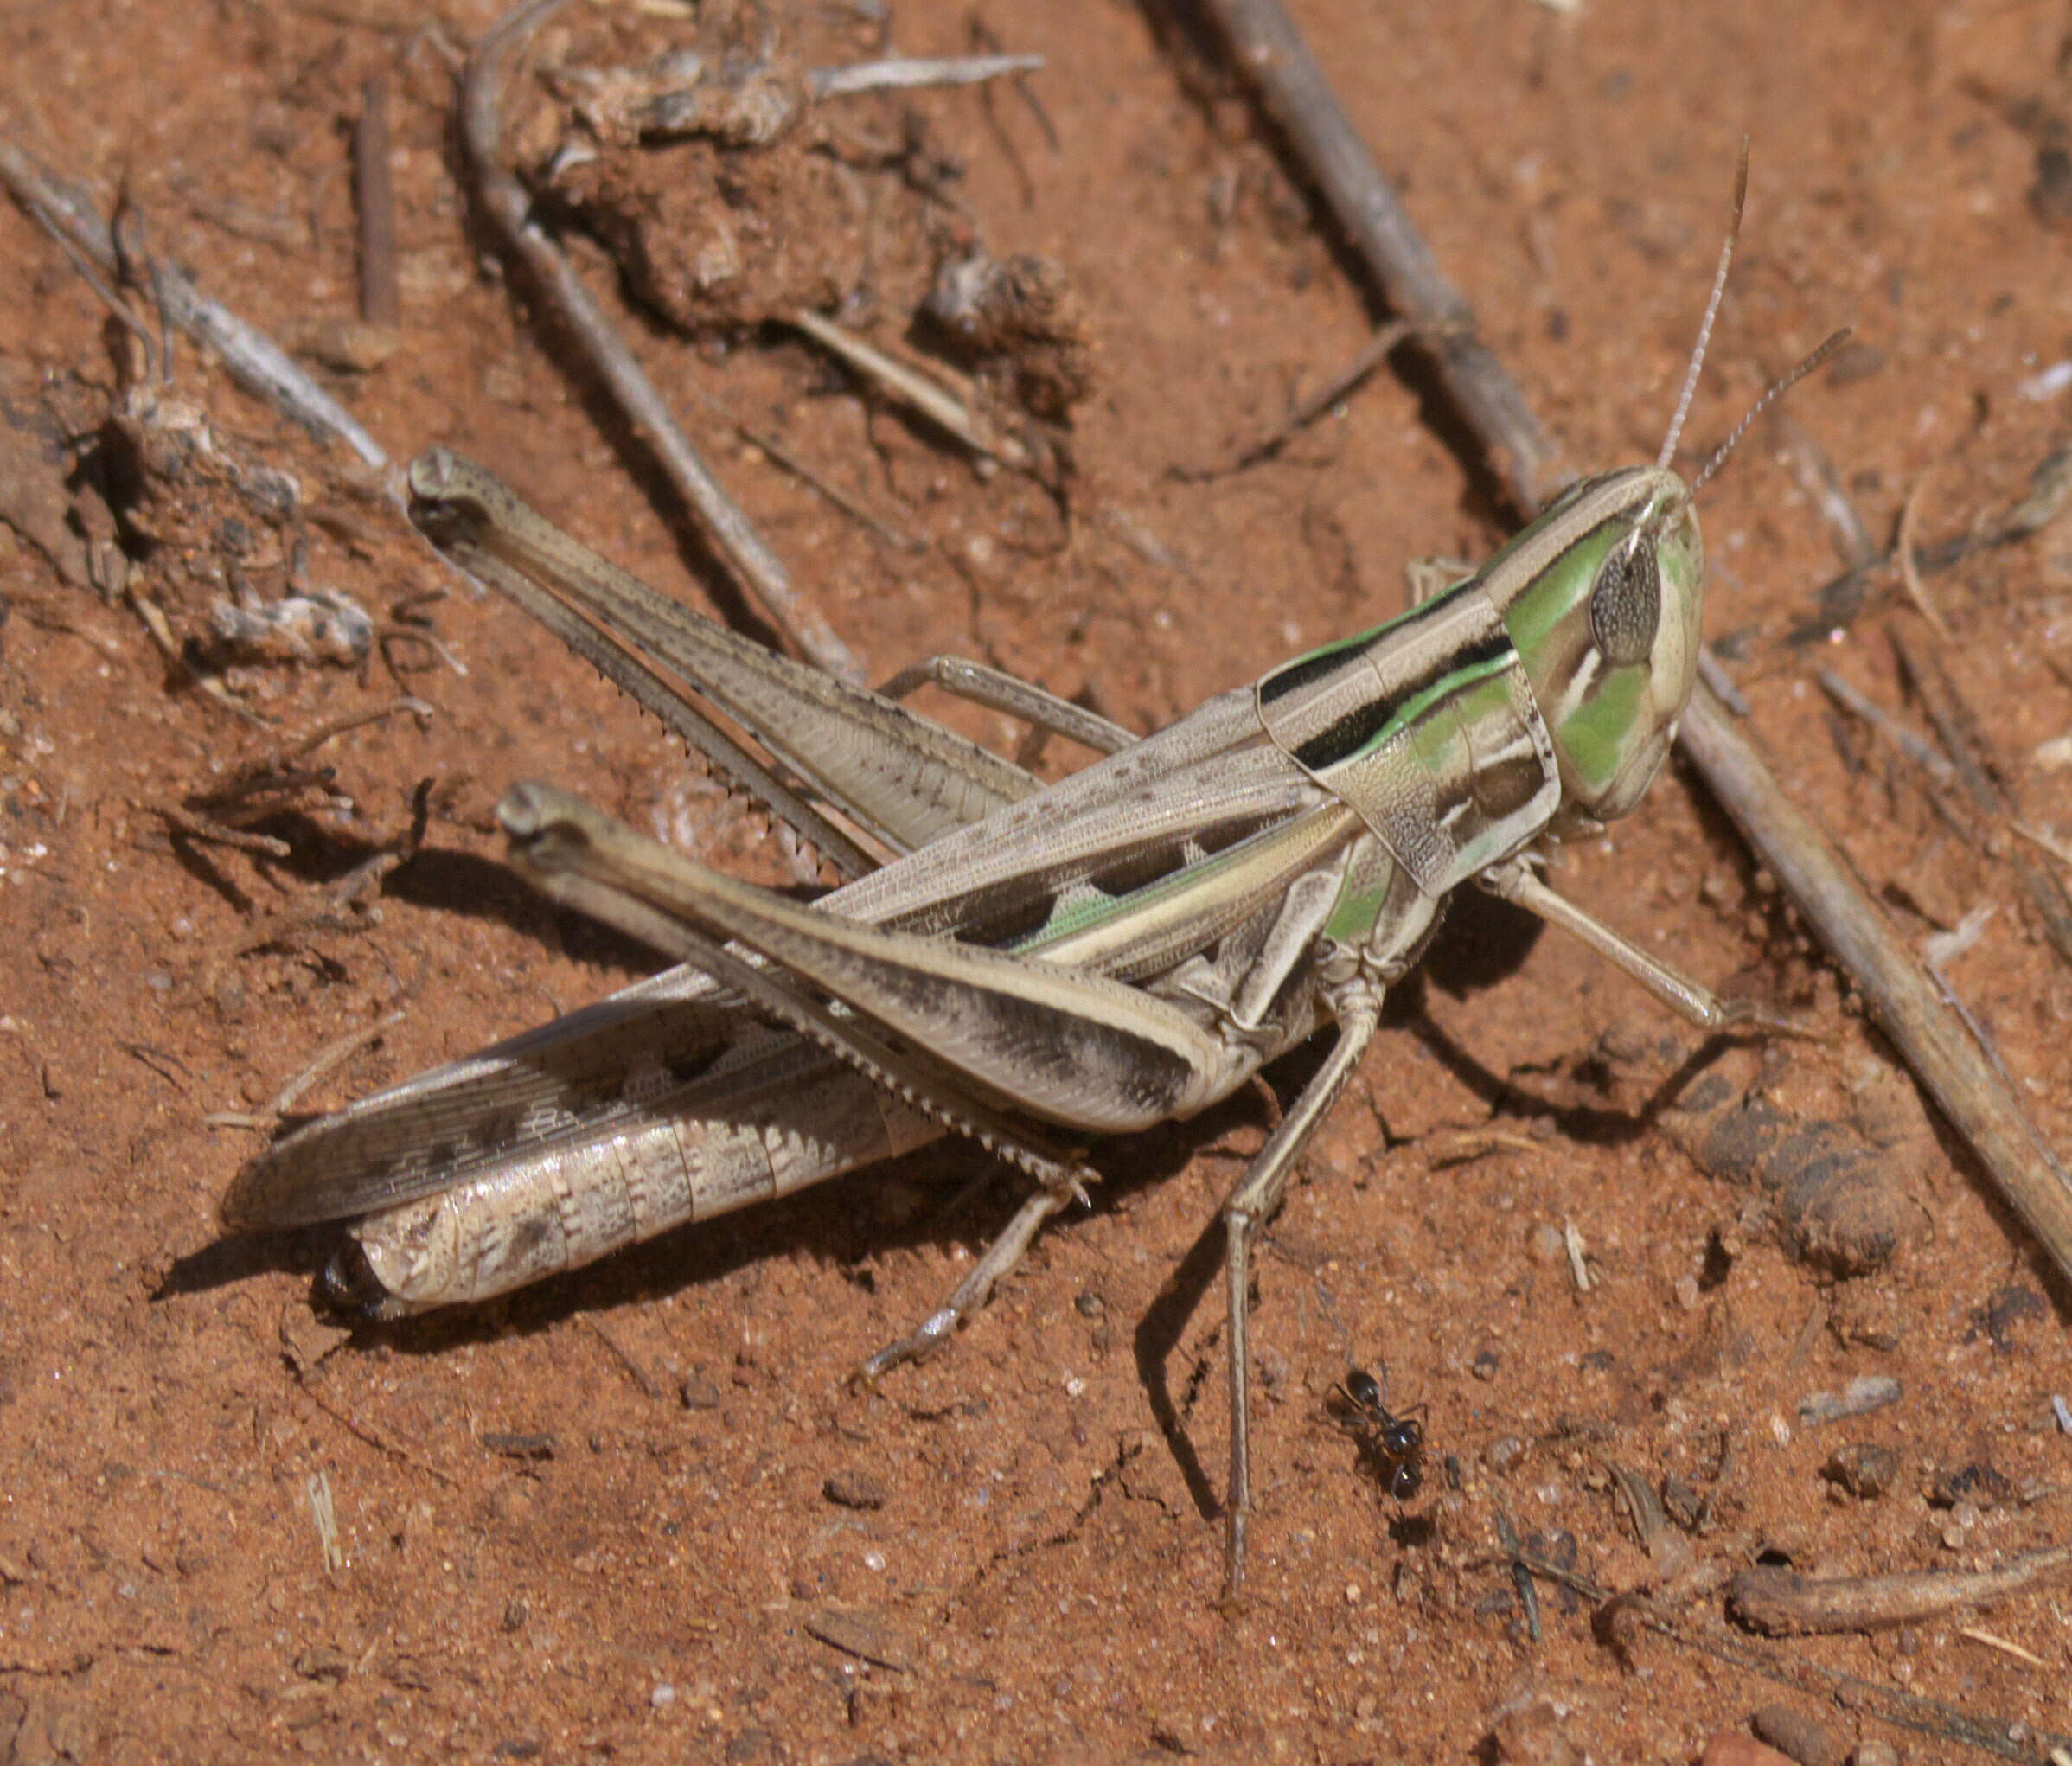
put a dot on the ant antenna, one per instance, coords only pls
(1704, 330)
(1771, 393)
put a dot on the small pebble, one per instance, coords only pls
(1531, 1734)
(1485, 1364)
(1956, 1532)
(1790, 1730)
(1503, 1453)
(1867, 1393)
(1875, 1754)
(1862, 1468)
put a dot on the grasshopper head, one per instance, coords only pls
(1603, 596)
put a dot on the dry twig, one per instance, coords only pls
(1785, 1603)
(960, 418)
(380, 299)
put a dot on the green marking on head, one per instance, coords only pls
(1603, 596)
(1598, 735)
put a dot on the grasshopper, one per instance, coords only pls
(1025, 965)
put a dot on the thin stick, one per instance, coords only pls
(136, 264)
(1979, 1634)
(1308, 409)
(208, 830)
(1809, 464)
(1296, 95)
(255, 361)
(324, 1512)
(833, 493)
(331, 728)
(373, 1437)
(1979, 770)
(503, 200)
(380, 296)
(905, 72)
(1910, 559)
(1917, 749)
(635, 1371)
(1942, 1052)
(90, 274)
(331, 1055)
(944, 409)
(1841, 599)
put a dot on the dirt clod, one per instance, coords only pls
(854, 1489)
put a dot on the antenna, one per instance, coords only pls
(1704, 331)
(1771, 393)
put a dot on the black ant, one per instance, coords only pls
(1393, 1445)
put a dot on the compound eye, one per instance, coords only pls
(1626, 602)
